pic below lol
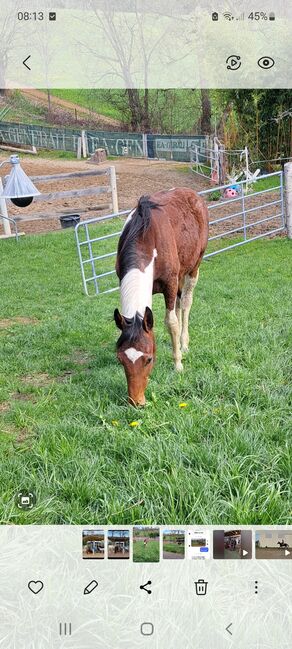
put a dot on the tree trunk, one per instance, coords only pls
(227, 111)
(2, 80)
(135, 108)
(146, 117)
(206, 113)
(49, 100)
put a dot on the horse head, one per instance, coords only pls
(136, 352)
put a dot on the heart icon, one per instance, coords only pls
(35, 586)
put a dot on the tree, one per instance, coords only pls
(131, 39)
(206, 113)
(263, 121)
(9, 28)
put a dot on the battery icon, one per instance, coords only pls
(272, 16)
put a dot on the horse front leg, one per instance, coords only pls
(173, 326)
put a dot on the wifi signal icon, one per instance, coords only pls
(228, 16)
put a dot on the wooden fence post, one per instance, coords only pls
(113, 182)
(4, 212)
(288, 194)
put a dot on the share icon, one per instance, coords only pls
(144, 587)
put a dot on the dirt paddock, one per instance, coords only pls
(134, 178)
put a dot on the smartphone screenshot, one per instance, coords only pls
(199, 544)
(145, 324)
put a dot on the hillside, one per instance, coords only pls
(60, 108)
(172, 111)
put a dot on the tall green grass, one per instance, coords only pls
(65, 423)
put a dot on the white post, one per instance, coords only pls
(79, 144)
(4, 212)
(246, 162)
(288, 194)
(145, 147)
(84, 144)
(197, 157)
(215, 159)
(113, 181)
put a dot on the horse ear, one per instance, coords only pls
(119, 320)
(148, 319)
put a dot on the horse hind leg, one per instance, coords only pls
(178, 310)
(186, 303)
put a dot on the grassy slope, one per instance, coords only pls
(92, 99)
(176, 112)
(170, 109)
(224, 458)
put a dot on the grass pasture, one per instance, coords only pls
(66, 433)
(173, 548)
(146, 553)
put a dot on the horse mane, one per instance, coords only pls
(131, 331)
(137, 226)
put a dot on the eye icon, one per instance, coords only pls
(266, 62)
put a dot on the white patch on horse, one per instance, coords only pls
(133, 354)
(136, 289)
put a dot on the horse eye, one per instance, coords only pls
(148, 360)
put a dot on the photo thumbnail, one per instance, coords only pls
(198, 544)
(93, 542)
(173, 544)
(118, 544)
(273, 544)
(232, 544)
(146, 544)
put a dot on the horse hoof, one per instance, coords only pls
(179, 367)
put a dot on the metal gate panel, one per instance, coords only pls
(233, 217)
(247, 207)
(86, 245)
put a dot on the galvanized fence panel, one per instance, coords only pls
(244, 218)
(247, 223)
(88, 245)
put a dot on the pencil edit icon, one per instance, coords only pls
(90, 587)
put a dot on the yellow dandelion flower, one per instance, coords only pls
(115, 422)
(134, 423)
(183, 405)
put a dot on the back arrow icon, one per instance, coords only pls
(228, 629)
(24, 62)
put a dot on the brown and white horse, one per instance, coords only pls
(160, 250)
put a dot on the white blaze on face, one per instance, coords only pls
(136, 289)
(133, 354)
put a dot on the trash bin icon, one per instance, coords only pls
(201, 587)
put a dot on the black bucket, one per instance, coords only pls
(69, 220)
